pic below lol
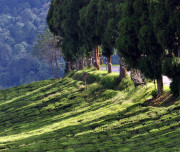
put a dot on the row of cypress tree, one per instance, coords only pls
(146, 34)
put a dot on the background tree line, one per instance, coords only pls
(145, 33)
(20, 23)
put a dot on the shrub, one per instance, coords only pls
(110, 81)
(175, 86)
(126, 83)
(92, 77)
(89, 76)
(171, 68)
(154, 93)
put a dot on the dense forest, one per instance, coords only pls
(20, 23)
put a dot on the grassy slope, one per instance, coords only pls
(60, 115)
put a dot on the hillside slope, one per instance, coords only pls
(65, 115)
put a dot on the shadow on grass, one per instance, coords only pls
(98, 134)
(36, 95)
(164, 100)
(45, 118)
(28, 116)
(14, 92)
(78, 136)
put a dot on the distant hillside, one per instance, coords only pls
(66, 115)
(8, 5)
(21, 22)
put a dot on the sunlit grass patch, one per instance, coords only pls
(65, 115)
(116, 65)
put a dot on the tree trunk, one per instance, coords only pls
(68, 67)
(160, 84)
(84, 62)
(137, 77)
(93, 57)
(96, 57)
(109, 64)
(101, 59)
(123, 72)
(77, 65)
(155, 83)
(106, 64)
(81, 64)
(57, 66)
(178, 50)
(89, 62)
(98, 61)
(52, 67)
(73, 67)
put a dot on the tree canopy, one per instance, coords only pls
(142, 31)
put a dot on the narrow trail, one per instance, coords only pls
(166, 80)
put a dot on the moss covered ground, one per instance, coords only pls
(87, 111)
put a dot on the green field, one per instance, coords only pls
(66, 115)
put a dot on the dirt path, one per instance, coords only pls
(166, 80)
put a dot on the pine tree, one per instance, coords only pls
(137, 42)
